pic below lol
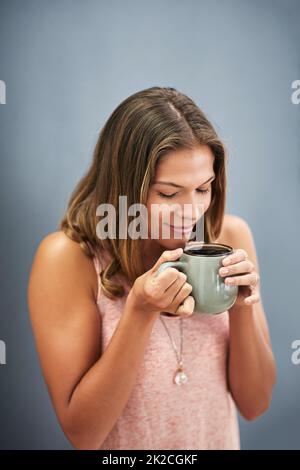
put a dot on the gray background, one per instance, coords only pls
(67, 65)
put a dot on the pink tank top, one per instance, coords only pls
(160, 414)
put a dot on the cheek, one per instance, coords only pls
(151, 210)
(154, 212)
(159, 211)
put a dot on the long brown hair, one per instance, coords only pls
(143, 128)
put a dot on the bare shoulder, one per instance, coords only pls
(234, 229)
(58, 256)
(237, 233)
(233, 220)
(58, 244)
(64, 315)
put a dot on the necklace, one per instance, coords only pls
(180, 376)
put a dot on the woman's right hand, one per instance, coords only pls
(167, 291)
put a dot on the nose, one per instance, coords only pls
(192, 210)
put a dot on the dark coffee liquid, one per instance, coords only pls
(207, 251)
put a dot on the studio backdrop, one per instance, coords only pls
(64, 66)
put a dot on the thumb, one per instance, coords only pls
(168, 255)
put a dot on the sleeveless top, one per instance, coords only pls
(160, 414)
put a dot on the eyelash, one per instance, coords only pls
(169, 196)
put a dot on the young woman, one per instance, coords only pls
(111, 333)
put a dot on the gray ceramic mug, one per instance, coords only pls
(201, 263)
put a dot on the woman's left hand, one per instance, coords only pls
(243, 274)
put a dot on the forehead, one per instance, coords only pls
(186, 164)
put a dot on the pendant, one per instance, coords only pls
(180, 377)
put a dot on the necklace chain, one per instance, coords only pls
(180, 376)
(179, 357)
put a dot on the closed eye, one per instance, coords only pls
(169, 196)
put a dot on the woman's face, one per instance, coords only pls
(182, 191)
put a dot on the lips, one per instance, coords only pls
(181, 229)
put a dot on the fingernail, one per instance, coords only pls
(224, 271)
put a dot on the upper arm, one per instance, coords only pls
(64, 315)
(241, 236)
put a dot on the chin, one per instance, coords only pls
(173, 244)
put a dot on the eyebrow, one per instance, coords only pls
(178, 186)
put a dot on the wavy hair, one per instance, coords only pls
(144, 127)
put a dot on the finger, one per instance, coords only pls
(252, 299)
(235, 257)
(165, 279)
(246, 280)
(187, 307)
(242, 267)
(175, 287)
(167, 255)
(178, 296)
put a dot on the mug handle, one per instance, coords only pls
(180, 265)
